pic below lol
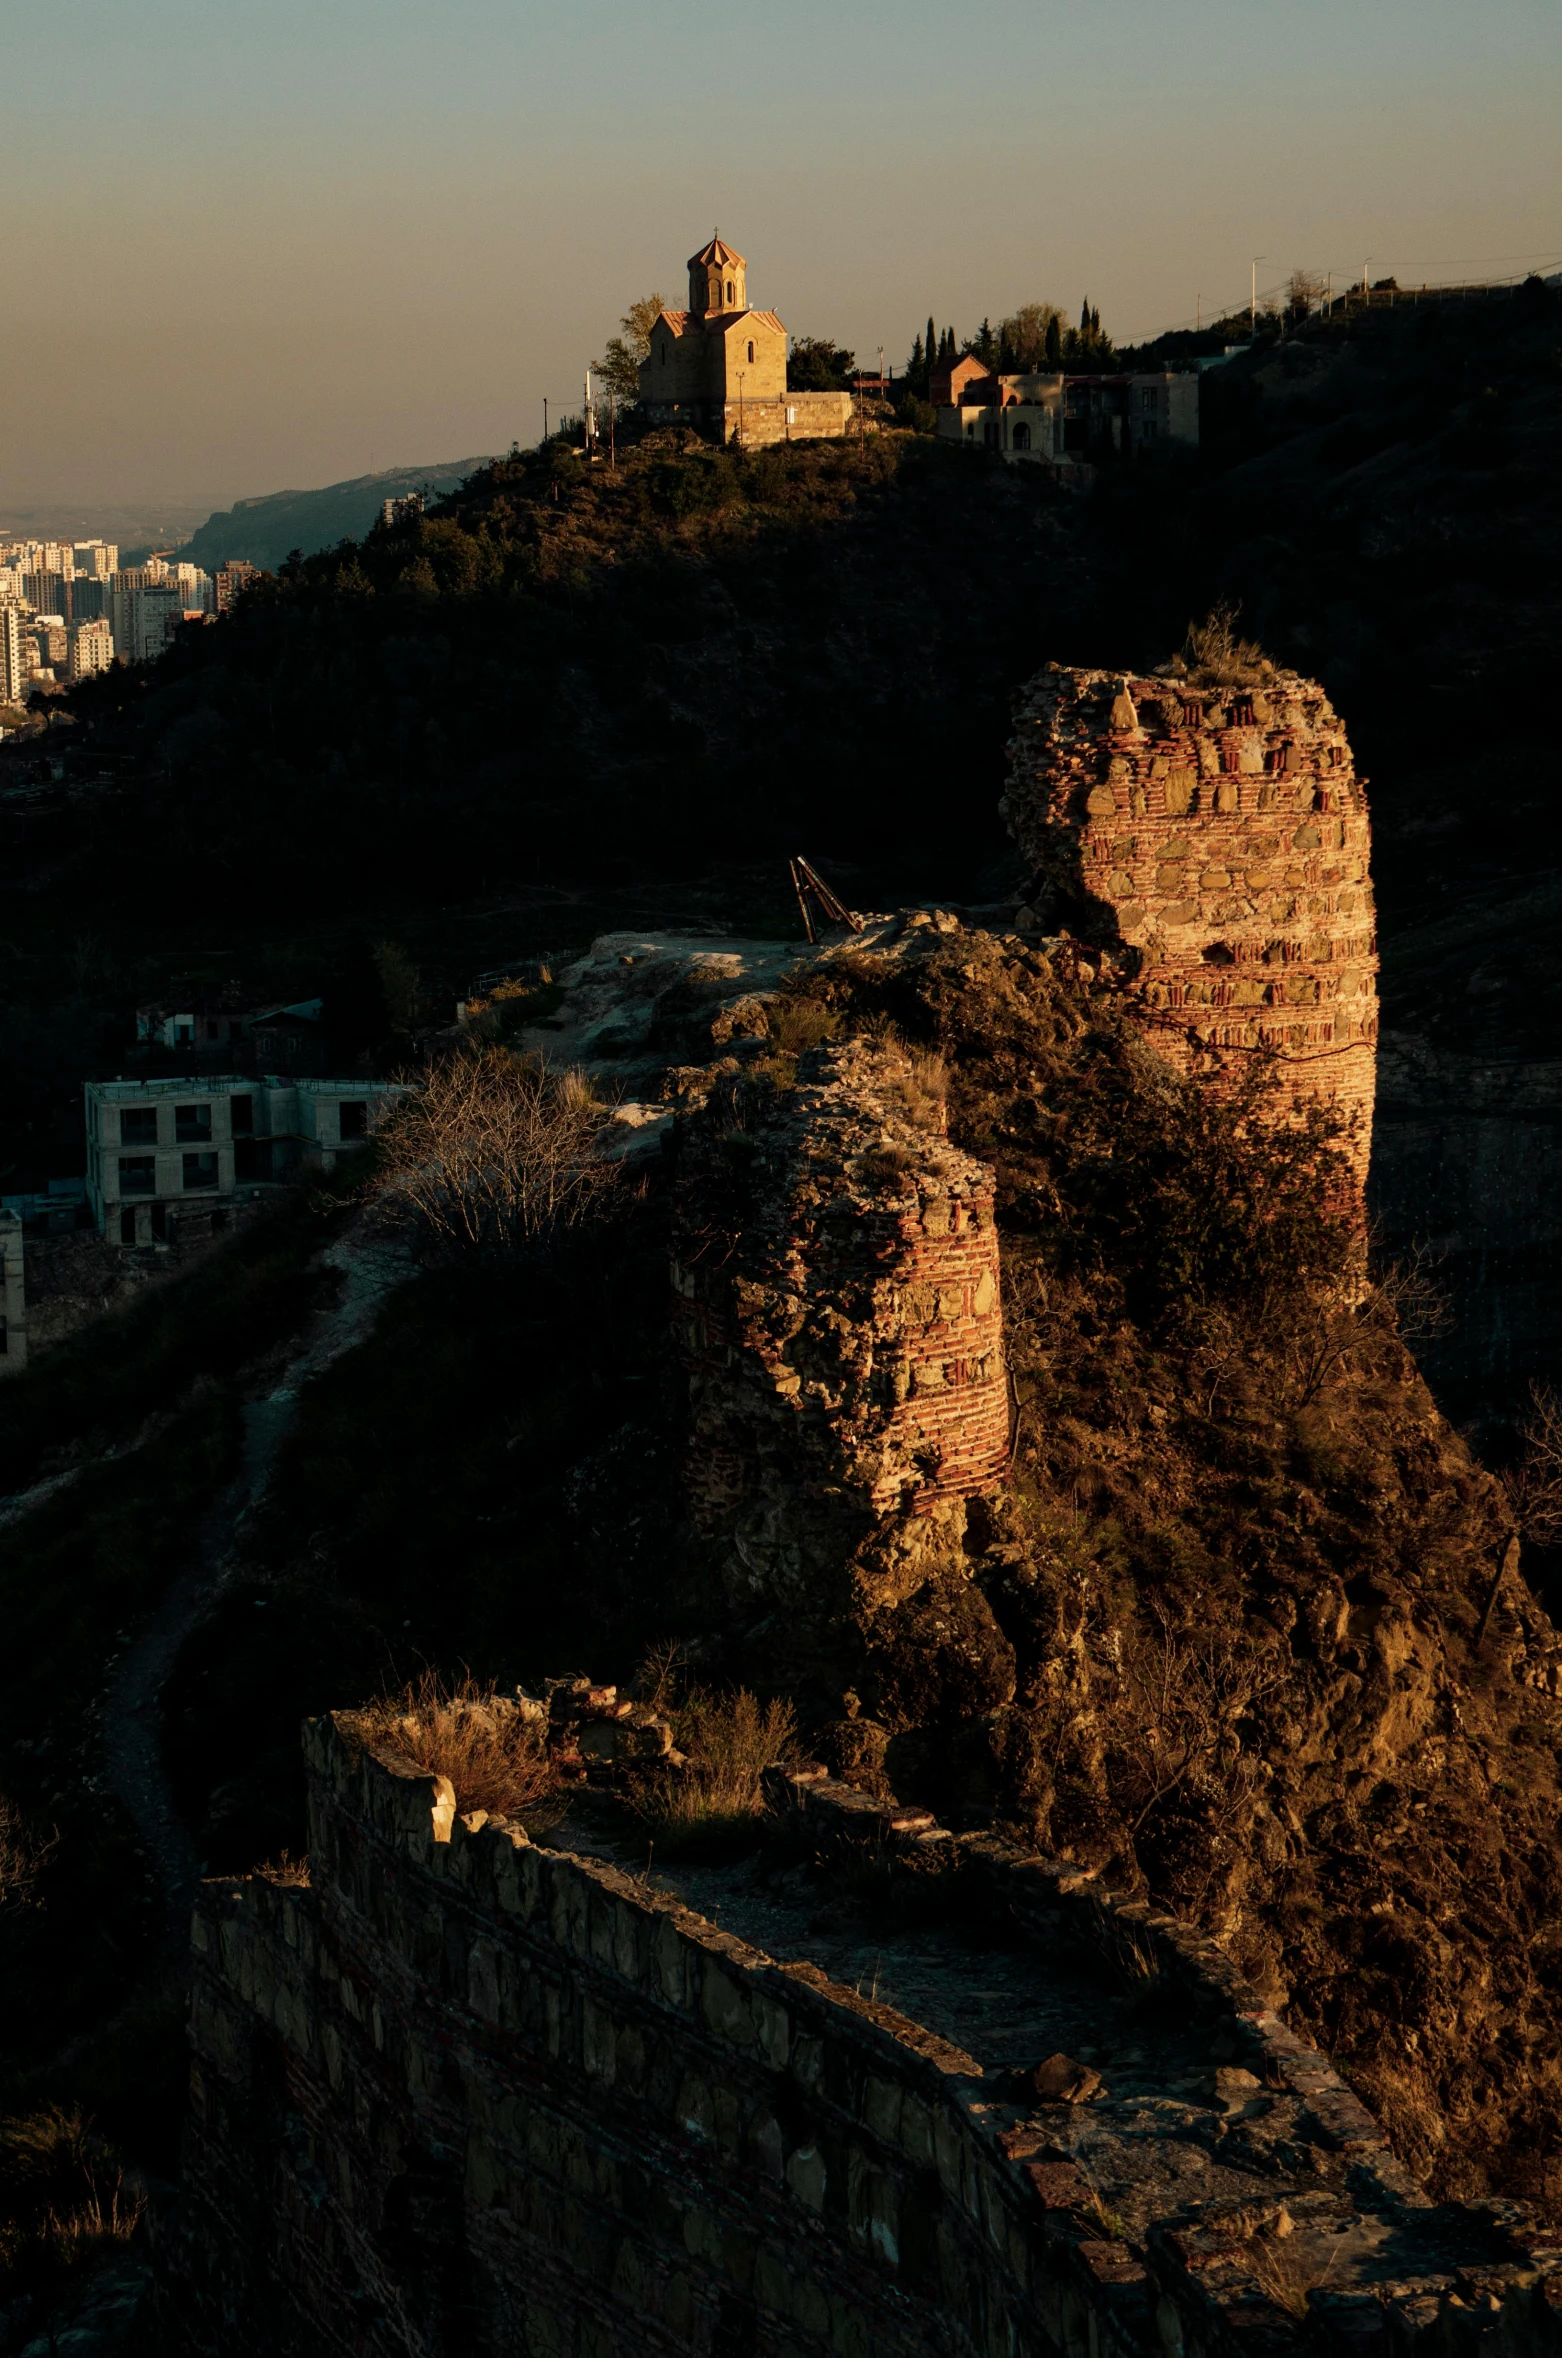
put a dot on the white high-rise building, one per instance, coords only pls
(15, 655)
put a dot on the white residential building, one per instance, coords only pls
(15, 655)
(91, 648)
(169, 1155)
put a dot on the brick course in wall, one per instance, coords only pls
(842, 1328)
(1222, 833)
(468, 2096)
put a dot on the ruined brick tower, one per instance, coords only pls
(839, 1317)
(1221, 834)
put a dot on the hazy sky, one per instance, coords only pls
(260, 243)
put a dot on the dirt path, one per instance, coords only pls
(133, 1754)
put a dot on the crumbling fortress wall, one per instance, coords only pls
(1221, 835)
(462, 2094)
(836, 1302)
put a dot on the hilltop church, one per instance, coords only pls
(721, 368)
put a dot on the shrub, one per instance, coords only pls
(729, 1738)
(63, 2196)
(496, 1758)
(490, 1151)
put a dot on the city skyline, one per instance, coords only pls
(291, 246)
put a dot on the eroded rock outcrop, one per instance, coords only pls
(1221, 835)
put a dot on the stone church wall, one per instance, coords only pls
(1222, 835)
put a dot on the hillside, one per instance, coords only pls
(572, 693)
(266, 530)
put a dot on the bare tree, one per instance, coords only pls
(22, 1859)
(1535, 1483)
(490, 1151)
(1305, 290)
(1182, 1697)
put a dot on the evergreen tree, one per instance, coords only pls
(985, 345)
(914, 364)
(933, 347)
(1054, 344)
(1084, 321)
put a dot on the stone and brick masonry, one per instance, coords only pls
(841, 1322)
(463, 2095)
(1221, 835)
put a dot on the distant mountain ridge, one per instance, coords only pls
(265, 530)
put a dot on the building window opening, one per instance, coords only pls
(137, 1174)
(200, 1170)
(354, 1116)
(127, 1228)
(751, 356)
(138, 1126)
(242, 1111)
(1022, 437)
(159, 1223)
(729, 290)
(184, 1034)
(192, 1122)
(1218, 954)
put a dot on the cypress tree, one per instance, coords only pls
(1054, 344)
(933, 347)
(1084, 318)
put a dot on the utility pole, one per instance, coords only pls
(545, 417)
(1366, 291)
(1252, 311)
(1200, 327)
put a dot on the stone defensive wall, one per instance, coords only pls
(463, 2094)
(836, 1298)
(1222, 834)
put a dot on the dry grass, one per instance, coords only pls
(288, 1872)
(729, 1738)
(923, 1089)
(63, 2198)
(1217, 658)
(496, 1759)
(797, 1025)
(1288, 2268)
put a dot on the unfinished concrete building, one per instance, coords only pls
(836, 1303)
(13, 1296)
(1221, 835)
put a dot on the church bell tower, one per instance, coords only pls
(717, 280)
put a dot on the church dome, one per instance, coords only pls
(718, 279)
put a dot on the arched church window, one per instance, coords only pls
(1022, 437)
(751, 356)
(729, 290)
